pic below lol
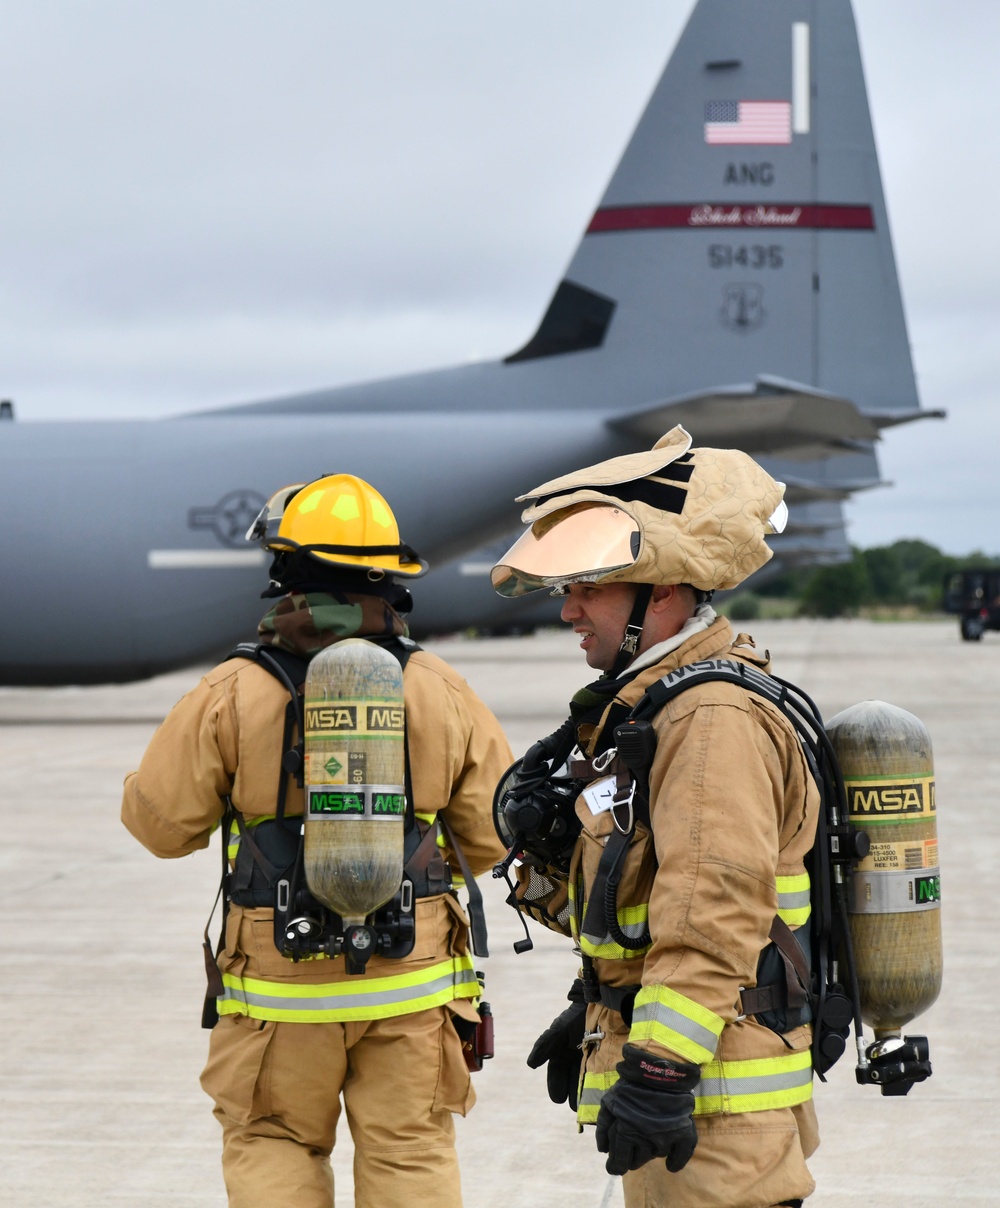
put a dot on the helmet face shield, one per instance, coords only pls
(576, 544)
(269, 517)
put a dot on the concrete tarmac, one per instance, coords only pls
(100, 1045)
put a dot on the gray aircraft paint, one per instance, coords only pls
(748, 290)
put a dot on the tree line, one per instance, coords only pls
(908, 575)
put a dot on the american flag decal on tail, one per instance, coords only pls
(757, 123)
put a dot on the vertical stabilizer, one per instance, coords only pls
(744, 232)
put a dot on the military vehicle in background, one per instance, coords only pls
(974, 596)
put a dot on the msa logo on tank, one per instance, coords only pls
(871, 801)
(332, 717)
(367, 802)
(927, 890)
(355, 717)
(383, 718)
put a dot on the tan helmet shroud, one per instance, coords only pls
(726, 506)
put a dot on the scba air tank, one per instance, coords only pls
(894, 893)
(355, 772)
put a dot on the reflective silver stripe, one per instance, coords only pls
(894, 891)
(759, 1084)
(658, 1015)
(793, 901)
(729, 1087)
(763, 1084)
(591, 1096)
(394, 995)
(632, 930)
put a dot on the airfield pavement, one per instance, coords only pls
(100, 1044)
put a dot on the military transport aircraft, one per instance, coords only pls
(737, 277)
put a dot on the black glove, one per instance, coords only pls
(559, 1045)
(648, 1113)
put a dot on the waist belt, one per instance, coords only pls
(615, 998)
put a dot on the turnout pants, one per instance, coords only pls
(277, 1089)
(753, 1160)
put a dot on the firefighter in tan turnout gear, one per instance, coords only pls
(294, 1035)
(677, 872)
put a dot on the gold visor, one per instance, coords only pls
(577, 544)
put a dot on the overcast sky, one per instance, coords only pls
(218, 201)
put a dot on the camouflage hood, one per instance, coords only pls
(305, 622)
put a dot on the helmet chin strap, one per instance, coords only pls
(633, 630)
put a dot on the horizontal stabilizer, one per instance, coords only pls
(799, 490)
(772, 416)
(891, 419)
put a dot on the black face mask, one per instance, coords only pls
(297, 572)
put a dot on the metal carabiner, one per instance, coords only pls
(625, 830)
(600, 762)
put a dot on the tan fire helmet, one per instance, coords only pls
(673, 514)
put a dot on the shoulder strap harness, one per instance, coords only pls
(798, 975)
(272, 850)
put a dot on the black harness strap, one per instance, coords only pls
(425, 865)
(477, 916)
(213, 975)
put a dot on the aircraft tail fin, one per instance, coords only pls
(745, 227)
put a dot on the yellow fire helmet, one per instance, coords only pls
(673, 514)
(340, 520)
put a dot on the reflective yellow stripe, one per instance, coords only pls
(359, 998)
(794, 899)
(457, 880)
(234, 832)
(676, 1022)
(430, 820)
(794, 908)
(758, 1085)
(591, 1093)
(726, 1087)
(631, 919)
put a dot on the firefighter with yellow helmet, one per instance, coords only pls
(672, 886)
(295, 1027)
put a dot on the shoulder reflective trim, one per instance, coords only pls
(336, 1002)
(676, 1022)
(754, 1086)
(233, 845)
(794, 899)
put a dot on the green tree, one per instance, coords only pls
(836, 591)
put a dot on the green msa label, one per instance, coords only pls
(387, 804)
(339, 802)
(928, 889)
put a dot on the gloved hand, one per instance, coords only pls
(648, 1113)
(559, 1045)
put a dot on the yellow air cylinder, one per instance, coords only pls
(894, 893)
(354, 772)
